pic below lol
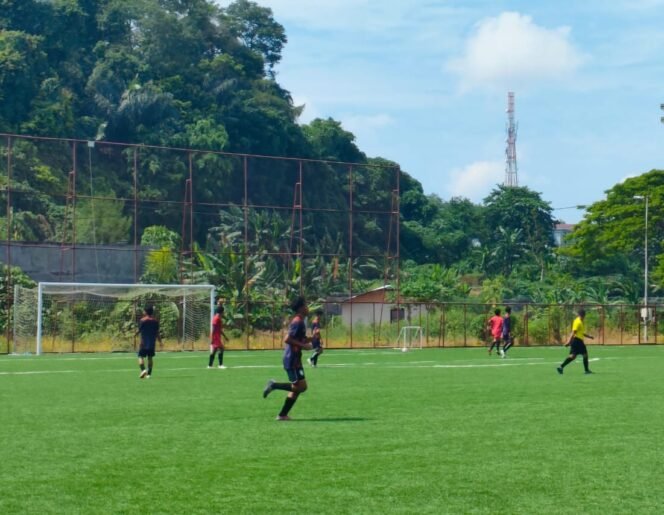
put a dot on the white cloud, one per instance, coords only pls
(358, 124)
(509, 49)
(476, 180)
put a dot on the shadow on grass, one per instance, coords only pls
(330, 419)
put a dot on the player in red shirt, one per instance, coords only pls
(217, 337)
(495, 325)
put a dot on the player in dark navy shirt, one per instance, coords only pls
(507, 331)
(148, 328)
(316, 342)
(295, 341)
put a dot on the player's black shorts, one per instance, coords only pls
(146, 352)
(315, 344)
(295, 374)
(578, 347)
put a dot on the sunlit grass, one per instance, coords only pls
(431, 431)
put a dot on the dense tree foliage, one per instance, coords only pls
(610, 239)
(191, 74)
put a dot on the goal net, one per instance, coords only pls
(410, 337)
(86, 317)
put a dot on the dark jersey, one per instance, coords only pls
(149, 329)
(297, 330)
(507, 326)
(315, 327)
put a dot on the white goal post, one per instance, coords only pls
(98, 317)
(410, 337)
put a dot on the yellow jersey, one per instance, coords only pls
(578, 328)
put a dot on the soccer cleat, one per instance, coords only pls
(209, 367)
(222, 366)
(502, 353)
(148, 376)
(283, 418)
(560, 370)
(588, 372)
(144, 374)
(268, 388)
(310, 362)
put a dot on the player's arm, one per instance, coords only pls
(305, 343)
(571, 337)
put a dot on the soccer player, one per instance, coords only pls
(577, 346)
(295, 341)
(316, 342)
(216, 341)
(495, 326)
(148, 328)
(507, 330)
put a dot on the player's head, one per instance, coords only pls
(496, 312)
(582, 312)
(299, 305)
(148, 310)
(508, 310)
(219, 310)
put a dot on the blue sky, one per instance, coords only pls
(425, 83)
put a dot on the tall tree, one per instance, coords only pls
(520, 209)
(256, 28)
(611, 236)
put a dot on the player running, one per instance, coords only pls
(577, 346)
(148, 328)
(495, 326)
(216, 340)
(507, 331)
(295, 341)
(316, 342)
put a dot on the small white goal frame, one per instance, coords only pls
(410, 337)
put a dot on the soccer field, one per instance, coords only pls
(430, 431)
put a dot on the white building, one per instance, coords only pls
(374, 307)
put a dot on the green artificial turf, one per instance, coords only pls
(428, 431)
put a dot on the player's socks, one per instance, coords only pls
(149, 371)
(566, 362)
(282, 386)
(288, 404)
(211, 361)
(142, 367)
(221, 358)
(585, 364)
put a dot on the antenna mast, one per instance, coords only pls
(511, 178)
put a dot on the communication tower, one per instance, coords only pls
(511, 178)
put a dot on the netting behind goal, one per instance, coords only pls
(79, 317)
(410, 337)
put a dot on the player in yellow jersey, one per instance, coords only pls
(577, 346)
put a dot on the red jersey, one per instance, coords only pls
(217, 327)
(496, 325)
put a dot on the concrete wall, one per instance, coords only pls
(101, 264)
